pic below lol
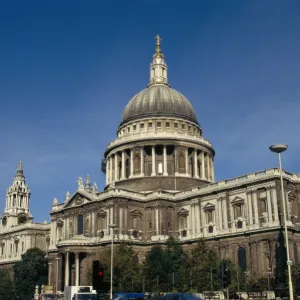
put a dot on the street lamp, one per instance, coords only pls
(269, 274)
(57, 260)
(278, 149)
(49, 273)
(112, 226)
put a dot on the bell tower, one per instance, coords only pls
(17, 202)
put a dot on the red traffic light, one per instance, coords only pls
(100, 273)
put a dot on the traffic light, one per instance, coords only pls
(98, 275)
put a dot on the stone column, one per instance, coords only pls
(123, 165)
(274, 199)
(212, 169)
(116, 167)
(187, 161)
(121, 218)
(157, 222)
(76, 269)
(224, 212)
(249, 200)
(254, 199)
(269, 205)
(196, 164)
(288, 213)
(165, 160)
(175, 161)
(110, 169)
(131, 162)
(219, 208)
(66, 269)
(142, 161)
(192, 223)
(208, 166)
(107, 172)
(153, 161)
(202, 165)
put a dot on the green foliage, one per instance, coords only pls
(295, 270)
(167, 269)
(238, 278)
(156, 268)
(204, 268)
(127, 275)
(7, 289)
(29, 272)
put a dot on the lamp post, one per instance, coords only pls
(56, 285)
(112, 226)
(279, 148)
(269, 281)
(49, 273)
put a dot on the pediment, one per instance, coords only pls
(183, 212)
(60, 222)
(101, 213)
(77, 199)
(135, 212)
(291, 196)
(209, 206)
(237, 200)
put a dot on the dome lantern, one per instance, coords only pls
(158, 67)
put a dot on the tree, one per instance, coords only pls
(127, 270)
(7, 289)
(204, 268)
(157, 268)
(32, 270)
(178, 260)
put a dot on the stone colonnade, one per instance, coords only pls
(68, 269)
(154, 160)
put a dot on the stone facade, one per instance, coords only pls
(160, 183)
(18, 232)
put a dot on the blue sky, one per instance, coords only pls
(68, 69)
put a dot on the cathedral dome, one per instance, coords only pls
(159, 100)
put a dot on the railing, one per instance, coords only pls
(151, 135)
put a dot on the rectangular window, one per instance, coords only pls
(167, 124)
(142, 125)
(22, 246)
(182, 126)
(128, 129)
(158, 124)
(150, 125)
(134, 127)
(150, 225)
(190, 128)
(176, 125)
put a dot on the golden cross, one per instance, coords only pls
(158, 39)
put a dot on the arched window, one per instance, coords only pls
(242, 261)
(210, 229)
(135, 234)
(80, 224)
(239, 224)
